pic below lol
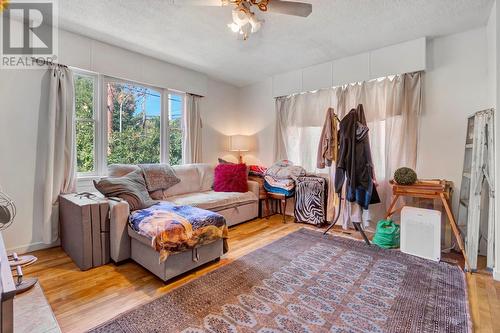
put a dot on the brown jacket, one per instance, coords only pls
(328, 142)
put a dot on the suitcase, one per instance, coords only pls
(84, 224)
(311, 200)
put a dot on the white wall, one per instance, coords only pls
(258, 118)
(23, 98)
(456, 86)
(491, 35)
(219, 120)
(23, 105)
(89, 54)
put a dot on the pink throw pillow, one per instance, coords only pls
(230, 178)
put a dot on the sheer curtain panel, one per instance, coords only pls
(192, 131)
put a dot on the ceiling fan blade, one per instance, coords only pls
(290, 8)
(217, 3)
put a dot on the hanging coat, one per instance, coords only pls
(328, 144)
(354, 162)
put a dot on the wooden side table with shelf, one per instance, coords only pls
(429, 189)
(282, 203)
(263, 198)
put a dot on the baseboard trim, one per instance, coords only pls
(496, 274)
(33, 247)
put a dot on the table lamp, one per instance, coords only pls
(239, 143)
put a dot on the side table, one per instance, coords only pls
(282, 199)
(431, 189)
(262, 195)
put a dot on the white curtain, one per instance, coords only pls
(60, 172)
(392, 107)
(192, 131)
(299, 122)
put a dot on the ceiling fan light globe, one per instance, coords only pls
(240, 17)
(255, 23)
(234, 27)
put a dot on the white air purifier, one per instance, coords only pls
(421, 232)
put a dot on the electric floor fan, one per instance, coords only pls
(7, 214)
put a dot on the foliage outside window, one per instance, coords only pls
(133, 124)
(132, 116)
(85, 123)
(176, 107)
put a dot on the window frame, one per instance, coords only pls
(103, 109)
(167, 118)
(101, 119)
(95, 119)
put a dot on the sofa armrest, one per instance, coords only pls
(253, 186)
(119, 212)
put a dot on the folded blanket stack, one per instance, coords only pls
(279, 190)
(286, 184)
(257, 170)
(280, 177)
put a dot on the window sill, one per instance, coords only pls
(84, 183)
(87, 177)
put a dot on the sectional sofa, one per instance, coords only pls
(194, 189)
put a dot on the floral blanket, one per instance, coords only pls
(173, 228)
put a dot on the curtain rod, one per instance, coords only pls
(153, 86)
(344, 84)
(47, 62)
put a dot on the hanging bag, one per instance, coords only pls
(387, 234)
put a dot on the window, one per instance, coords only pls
(85, 87)
(133, 123)
(176, 108)
(125, 122)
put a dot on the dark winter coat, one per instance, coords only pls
(354, 164)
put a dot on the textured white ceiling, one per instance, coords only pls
(198, 38)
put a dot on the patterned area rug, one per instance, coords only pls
(307, 282)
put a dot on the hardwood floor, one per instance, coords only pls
(82, 300)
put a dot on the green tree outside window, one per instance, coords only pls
(134, 129)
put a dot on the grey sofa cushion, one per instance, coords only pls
(131, 188)
(159, 176)
(120, 170)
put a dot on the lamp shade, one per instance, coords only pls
(239, 143)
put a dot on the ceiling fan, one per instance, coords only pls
(244, 19)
